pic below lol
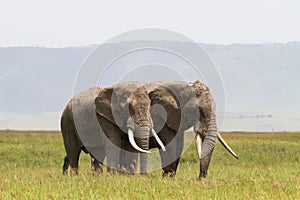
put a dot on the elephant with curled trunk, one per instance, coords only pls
(96, 121)
(177, 106)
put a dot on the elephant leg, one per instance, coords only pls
(130, 156)
(113, 155)
(72, 145)
(168, 157)
(113, 143)
(65, 166)
(73, 159)
(122, 160)
(97, 163)
(168, 163)
(131, 162)
(180, 143)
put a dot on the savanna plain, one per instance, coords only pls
(268, 168)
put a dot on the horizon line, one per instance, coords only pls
(95, 45)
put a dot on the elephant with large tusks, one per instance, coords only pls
(177, 106)
(185, 105)
(123, 111)
(96, 121)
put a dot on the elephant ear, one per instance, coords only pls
(107, 106)
(167, 100)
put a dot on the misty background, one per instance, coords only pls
(261, 84)
(249, 41)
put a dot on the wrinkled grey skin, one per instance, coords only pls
(117, 108)
(185, 106)
(120, 107)
(81, 105)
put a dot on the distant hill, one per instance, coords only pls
(261, 83)
(35, 80)
(263, 76)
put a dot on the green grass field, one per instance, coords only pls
(268, 168)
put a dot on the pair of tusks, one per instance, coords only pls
(136, 147)
(198, 143)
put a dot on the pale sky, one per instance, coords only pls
(72, 23)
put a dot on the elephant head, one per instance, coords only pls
(140, 123)
(205, 126)
(127, 105)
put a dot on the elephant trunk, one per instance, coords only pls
(133, 143)
(209, 141)
(142, 138)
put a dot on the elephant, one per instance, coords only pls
(96, 121)
(88, 123)
(186, 105)
(177, 106)
(124, 109)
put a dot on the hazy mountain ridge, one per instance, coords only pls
(30, 75)
(261, 78)
(268, 71)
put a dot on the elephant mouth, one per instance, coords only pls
(143, 131)
(153, 133)
(133, 143)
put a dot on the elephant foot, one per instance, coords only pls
(111, 170)
(125, 171)
(132, 167)
(130, 170)
(202, 176)
(74, 171)
(65, 166)
(143, 173)
(65, 171)
(169, 174)
(96, 166)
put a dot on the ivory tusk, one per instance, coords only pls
(198, 145)
(162, 146)
(133, 144)
(227, 146)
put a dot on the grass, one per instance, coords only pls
(268, 168)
